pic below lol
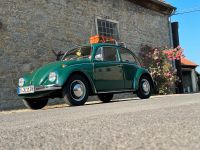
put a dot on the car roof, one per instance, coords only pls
(96, 45)
(102, 44)
(105, 44)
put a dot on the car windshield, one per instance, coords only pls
(78, 53)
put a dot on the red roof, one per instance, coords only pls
(186, 62)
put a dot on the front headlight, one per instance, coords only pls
(52, 76)
(21, 82)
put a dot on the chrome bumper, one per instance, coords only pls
(47, 88)
(33, 89)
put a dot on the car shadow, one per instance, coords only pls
(98, 102)
(90, 103)
(113, 101)
(64, 105)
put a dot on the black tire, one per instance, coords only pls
(105, 97)
(35, 104)
(70, 95)
(144, 93)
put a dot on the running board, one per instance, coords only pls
(125, 91)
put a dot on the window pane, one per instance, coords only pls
(104, 29)
(103, 23)
(111, 31)
(126, 56)
(100, 29)
(110, 54)
(107, 24)
(99, 54)
(99, 22)
(107, 30)
(110, 25)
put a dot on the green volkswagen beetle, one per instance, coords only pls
(100, 69)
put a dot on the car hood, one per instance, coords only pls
(40, 75)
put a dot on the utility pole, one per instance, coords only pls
(175, 35)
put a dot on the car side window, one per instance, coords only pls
(106, 54)
(126, 56)
(99, 54)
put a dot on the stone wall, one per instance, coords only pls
(32, 28)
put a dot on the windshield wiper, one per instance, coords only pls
(58, 54)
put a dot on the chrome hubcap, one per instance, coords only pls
(78, 90)
(145, 86)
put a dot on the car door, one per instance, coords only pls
(108, 72)
(130, 66)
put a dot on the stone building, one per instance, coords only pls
(30, 29)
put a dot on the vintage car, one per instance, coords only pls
(101, 69)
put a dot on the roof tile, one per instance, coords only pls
(186, 62)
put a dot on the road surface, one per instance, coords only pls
(162, 122)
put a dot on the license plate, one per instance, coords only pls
(26, 90)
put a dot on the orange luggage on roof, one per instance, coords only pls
(101, 39)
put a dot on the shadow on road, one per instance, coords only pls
(90, 103)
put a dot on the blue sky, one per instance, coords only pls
(189, 28)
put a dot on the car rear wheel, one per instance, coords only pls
(105, 97)
(35, 103)
(76, 91)
(145, 88)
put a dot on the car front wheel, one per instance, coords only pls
(105, 97)
(145, 88)
(35, 103)
(76, 91)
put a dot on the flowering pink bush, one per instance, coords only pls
(174, 54)
(159, 64)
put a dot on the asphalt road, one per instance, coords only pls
(164, 123)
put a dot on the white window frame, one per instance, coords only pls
(110, 20)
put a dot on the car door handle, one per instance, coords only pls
(108, 69)
(100, 70)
